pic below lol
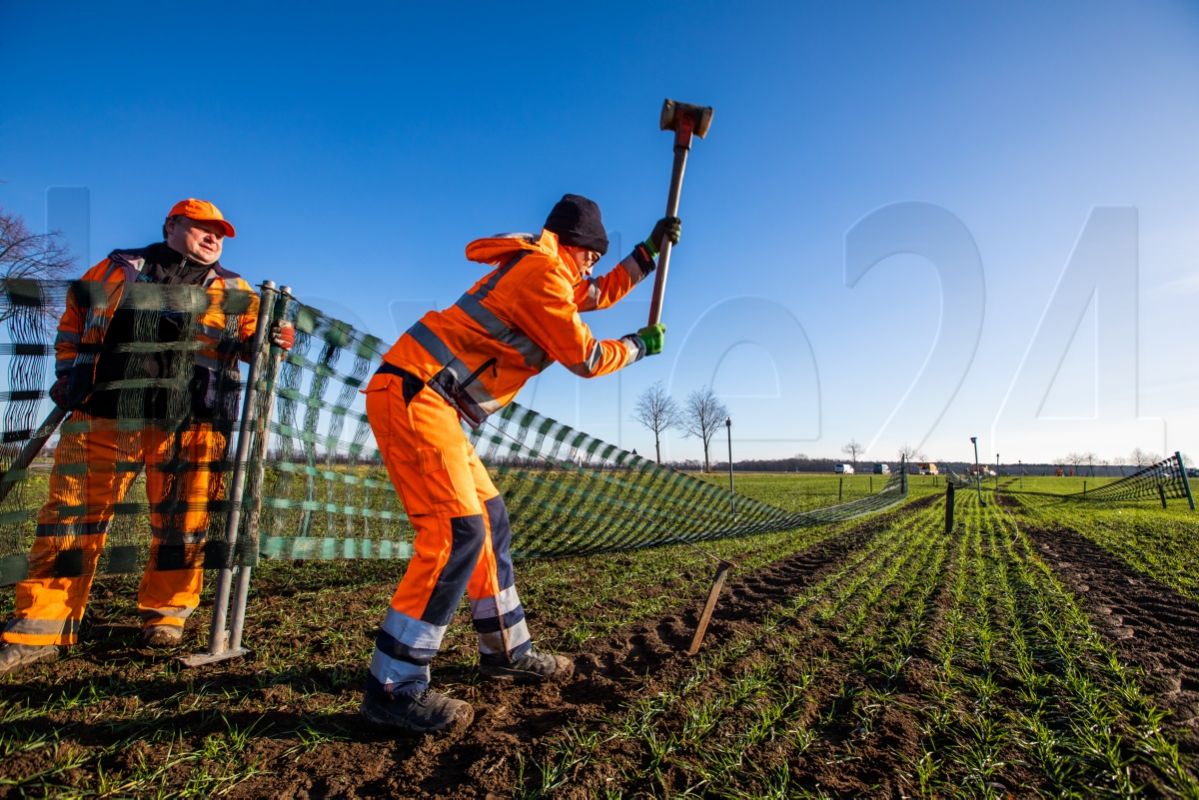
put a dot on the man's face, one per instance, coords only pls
(585, 259)
(199, 240)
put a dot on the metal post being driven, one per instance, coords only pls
(254, 477)
(218, 638)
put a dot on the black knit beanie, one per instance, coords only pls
(577, 222)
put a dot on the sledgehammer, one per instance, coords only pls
(684, 119)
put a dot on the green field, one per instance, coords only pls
(878, 656)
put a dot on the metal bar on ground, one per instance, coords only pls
(722, 570)
(31, 449)
(218, 637)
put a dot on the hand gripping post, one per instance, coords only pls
(685, 120)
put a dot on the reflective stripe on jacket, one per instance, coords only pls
(516, 321)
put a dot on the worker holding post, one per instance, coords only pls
(169, 407)
(464, 363)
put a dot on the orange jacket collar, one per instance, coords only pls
(497, 250)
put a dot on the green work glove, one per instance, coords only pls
(666, 228)
(651, 337)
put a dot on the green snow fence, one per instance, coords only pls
(1167, 479)
(313, 484)
(35, 448)
(326, 494)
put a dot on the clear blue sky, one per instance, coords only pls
(359, 150)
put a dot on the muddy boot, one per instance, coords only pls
(162, 636)
(532, 667)
(15, 656)
(426, 712)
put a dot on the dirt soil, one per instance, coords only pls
(1150, 624)
(515, 727)
(481, 761)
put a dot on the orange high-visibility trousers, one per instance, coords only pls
(462, 538)
(95, 463)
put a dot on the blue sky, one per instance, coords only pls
(359, 151)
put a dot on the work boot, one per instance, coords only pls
(15, 656)
(426, 712)
(532, 667)
(162, 636)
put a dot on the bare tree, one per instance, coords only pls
(702, 417)
(30, 256)
(658, 412)
(1075, 460)
(909, 454)
(853, 450)
(1142, 458)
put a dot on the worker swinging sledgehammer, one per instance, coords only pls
(466, 362)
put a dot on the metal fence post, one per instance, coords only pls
(1186, 483)
(257, 473)
(218, 637)
(948, 507)
(728, 424)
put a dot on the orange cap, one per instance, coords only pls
(201, 210)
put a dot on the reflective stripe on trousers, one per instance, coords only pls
(461, 545)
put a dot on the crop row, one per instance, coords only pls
(923, 663)
(1154, 541)
(1027, 694)
(759, 701)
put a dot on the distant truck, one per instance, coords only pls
(843, 469)
(882, 469)
(926, 468)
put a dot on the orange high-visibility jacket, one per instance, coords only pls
(83, 330)
(516, 321)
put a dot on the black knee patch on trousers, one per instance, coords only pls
(467, 534)
(501, 540)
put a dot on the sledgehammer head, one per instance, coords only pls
(685, 119)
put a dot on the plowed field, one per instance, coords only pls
(883, 657)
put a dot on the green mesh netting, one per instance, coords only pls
(327, 495)
(1165, 479)
(161, 430)
(316, 488)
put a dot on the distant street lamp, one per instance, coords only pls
(978, 481)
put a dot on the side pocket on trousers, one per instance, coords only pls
(435, 475)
